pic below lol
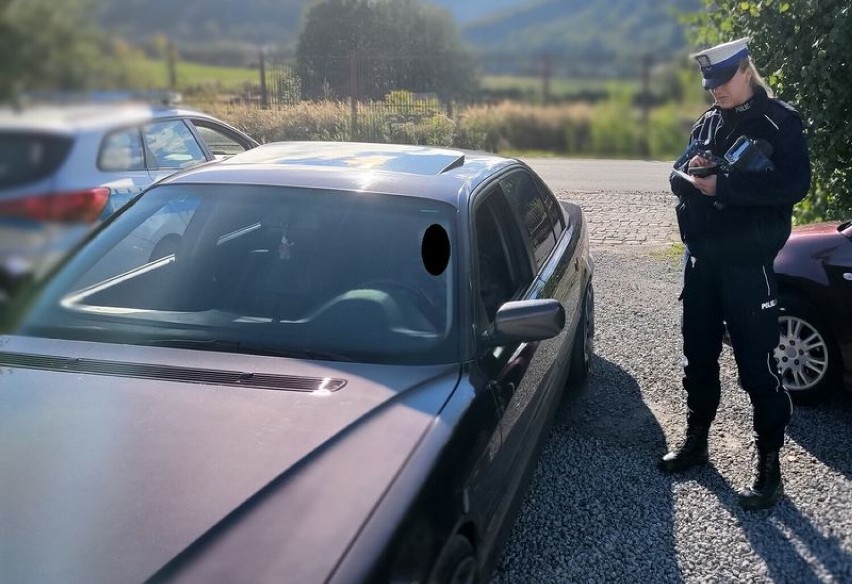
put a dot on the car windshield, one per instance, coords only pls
(264, 270)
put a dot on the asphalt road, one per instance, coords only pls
(597, 509)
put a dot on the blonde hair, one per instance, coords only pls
(756, 80)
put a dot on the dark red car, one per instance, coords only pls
(815, 286)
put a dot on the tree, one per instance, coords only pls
(803, 47)
(398, 44)
(48, 45)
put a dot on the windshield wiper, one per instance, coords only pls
(246, 349)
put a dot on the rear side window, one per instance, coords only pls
(220, 142)
(26, 158)
(122, 150)
(554, 211)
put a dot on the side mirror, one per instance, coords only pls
(527, 321)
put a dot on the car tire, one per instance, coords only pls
(807, 355)
(583, 347)
(456, 564)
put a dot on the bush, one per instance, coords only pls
(668, 131)
(614, 127)
(607, 129)
(324, 120)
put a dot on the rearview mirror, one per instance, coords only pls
(527, 321)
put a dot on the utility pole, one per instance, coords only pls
(546, 75)
(171, 64)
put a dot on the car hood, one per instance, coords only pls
(109, 475)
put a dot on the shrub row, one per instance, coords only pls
(611, 128)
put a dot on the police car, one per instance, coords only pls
(65, 167)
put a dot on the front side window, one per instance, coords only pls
(503, 268)
(171, 145)
(121, 151)
(266, 270)
(527, 203)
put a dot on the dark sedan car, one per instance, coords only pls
(815, 287)
(342, 372)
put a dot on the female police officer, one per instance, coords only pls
(747, 165)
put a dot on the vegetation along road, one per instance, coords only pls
(597, 509)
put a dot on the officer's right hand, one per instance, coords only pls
(699, 161)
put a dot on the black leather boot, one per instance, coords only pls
(691, 452)
(767, 487)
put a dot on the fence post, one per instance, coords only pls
(353, 93)
(264, 94)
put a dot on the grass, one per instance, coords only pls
(153, 73)
(558, 87)
(672, 252)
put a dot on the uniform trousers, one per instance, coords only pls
(745, 298)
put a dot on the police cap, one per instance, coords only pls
(718, 64)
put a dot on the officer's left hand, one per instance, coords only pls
(706, 185)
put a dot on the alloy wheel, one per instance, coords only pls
(802, 354)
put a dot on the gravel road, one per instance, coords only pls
(599, 511)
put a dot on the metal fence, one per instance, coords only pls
(385, 95)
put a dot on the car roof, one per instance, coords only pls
(70, 119)
(423, 171)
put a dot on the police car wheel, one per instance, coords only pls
(807, 356)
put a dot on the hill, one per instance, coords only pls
(257, 22)
(586, 37)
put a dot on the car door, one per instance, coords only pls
(512, 225)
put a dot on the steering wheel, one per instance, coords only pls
(419, 298)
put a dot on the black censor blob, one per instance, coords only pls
(435, 250)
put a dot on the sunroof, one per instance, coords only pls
(421, 160)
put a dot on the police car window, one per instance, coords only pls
(530, 207)
(171, 145)
(122, 150)
(218, 140)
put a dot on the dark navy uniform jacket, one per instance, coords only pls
(749, 219)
